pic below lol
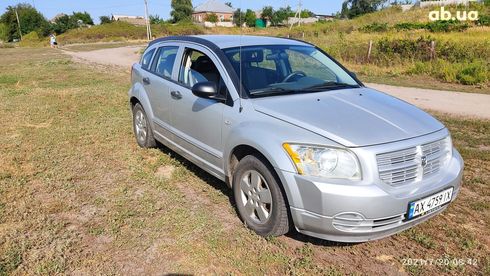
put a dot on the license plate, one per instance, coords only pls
(429, 204)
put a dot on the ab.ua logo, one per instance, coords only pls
(442, 14)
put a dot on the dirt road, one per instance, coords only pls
(461, 104)
(122, 56)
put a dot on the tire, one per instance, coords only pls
(142, 128)
(251, 197)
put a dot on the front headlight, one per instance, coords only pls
(324, 161)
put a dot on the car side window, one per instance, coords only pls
(197, 67)
(164, 61)
(146, 59)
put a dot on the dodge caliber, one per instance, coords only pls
(299, 139)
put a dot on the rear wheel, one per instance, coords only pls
(142, 128)
(259, 199)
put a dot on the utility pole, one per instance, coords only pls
(299, 12)
(148, 27)
(297, 15)
(18, 23)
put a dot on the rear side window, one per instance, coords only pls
(146, 59)
(164, 61)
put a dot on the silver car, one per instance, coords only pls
(300, 140)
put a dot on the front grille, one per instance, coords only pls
(413, 164)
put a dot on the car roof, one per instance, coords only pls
(231, 41)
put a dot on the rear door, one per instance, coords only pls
(158, 84)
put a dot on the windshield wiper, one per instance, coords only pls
(330, 85)
(270, 91)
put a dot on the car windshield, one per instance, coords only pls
(285, 69)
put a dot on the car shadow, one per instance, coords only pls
(223, 188)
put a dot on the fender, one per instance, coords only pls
(249, 132)
(139, 92)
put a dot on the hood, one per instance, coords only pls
(351, 117)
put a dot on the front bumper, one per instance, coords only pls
(358, 213)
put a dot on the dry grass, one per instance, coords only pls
(84, 47)
(78, 196)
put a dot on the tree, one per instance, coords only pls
(268, 13)
(104, 19)
(64, 23)
(306, 13)
(83, 17)
(155, 19)
(250, 18)
(212, 17)
(181, 10)
(4, 32)
(282, 15)
(30, 18)
(238, 17)
(354, 8)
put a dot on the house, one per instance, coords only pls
(325, 17)
(59, 15)
(131, 19)
(224, 12)
(427, 3)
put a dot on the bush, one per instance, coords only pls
(375, 27)
(434, 26)
(409, 26)
(118, 30)
(473, 73)
(484, 20)
(467, 73)
(104, 19)
(30, 40)
(404, 48)
(447, 26)
(212, 17)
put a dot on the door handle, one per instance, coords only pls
(146, 81)
(176, 95)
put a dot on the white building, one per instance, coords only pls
(443, 3)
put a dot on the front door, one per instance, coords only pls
(197, 121)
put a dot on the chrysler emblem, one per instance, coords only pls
(424, 161)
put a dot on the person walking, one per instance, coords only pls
(52, 41)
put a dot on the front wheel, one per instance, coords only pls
(259, 199)
(142, 128)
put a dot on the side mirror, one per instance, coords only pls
(352, 74)
(207, 90)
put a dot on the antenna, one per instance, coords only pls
(240, 86)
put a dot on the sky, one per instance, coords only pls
(96, 8)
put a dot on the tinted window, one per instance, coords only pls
(197, 67)
(164, 61)
(146, 59)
